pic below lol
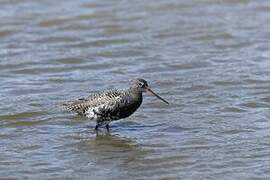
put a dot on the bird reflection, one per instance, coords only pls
(108, 145)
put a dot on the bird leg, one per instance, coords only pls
(107, 127)
(97, 126)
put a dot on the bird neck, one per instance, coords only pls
(135, 93)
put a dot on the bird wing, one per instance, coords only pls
(101, 104)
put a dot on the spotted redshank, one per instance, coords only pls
(112, 105)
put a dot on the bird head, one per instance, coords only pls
(141, 85)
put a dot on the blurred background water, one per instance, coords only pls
(209, 58)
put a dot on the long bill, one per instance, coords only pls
(152, 92)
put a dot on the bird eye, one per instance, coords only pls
(141, 84)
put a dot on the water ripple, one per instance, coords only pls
(209, 59)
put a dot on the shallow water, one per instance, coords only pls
(209, 59)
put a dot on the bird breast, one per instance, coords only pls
(130, 105)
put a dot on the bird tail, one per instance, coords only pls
(70, 106)
(75, 106)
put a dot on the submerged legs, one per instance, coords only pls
(102, 124)
(97, 126)
(107, 127)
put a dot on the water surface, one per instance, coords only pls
(209, 59)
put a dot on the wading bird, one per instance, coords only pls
(111, 105)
